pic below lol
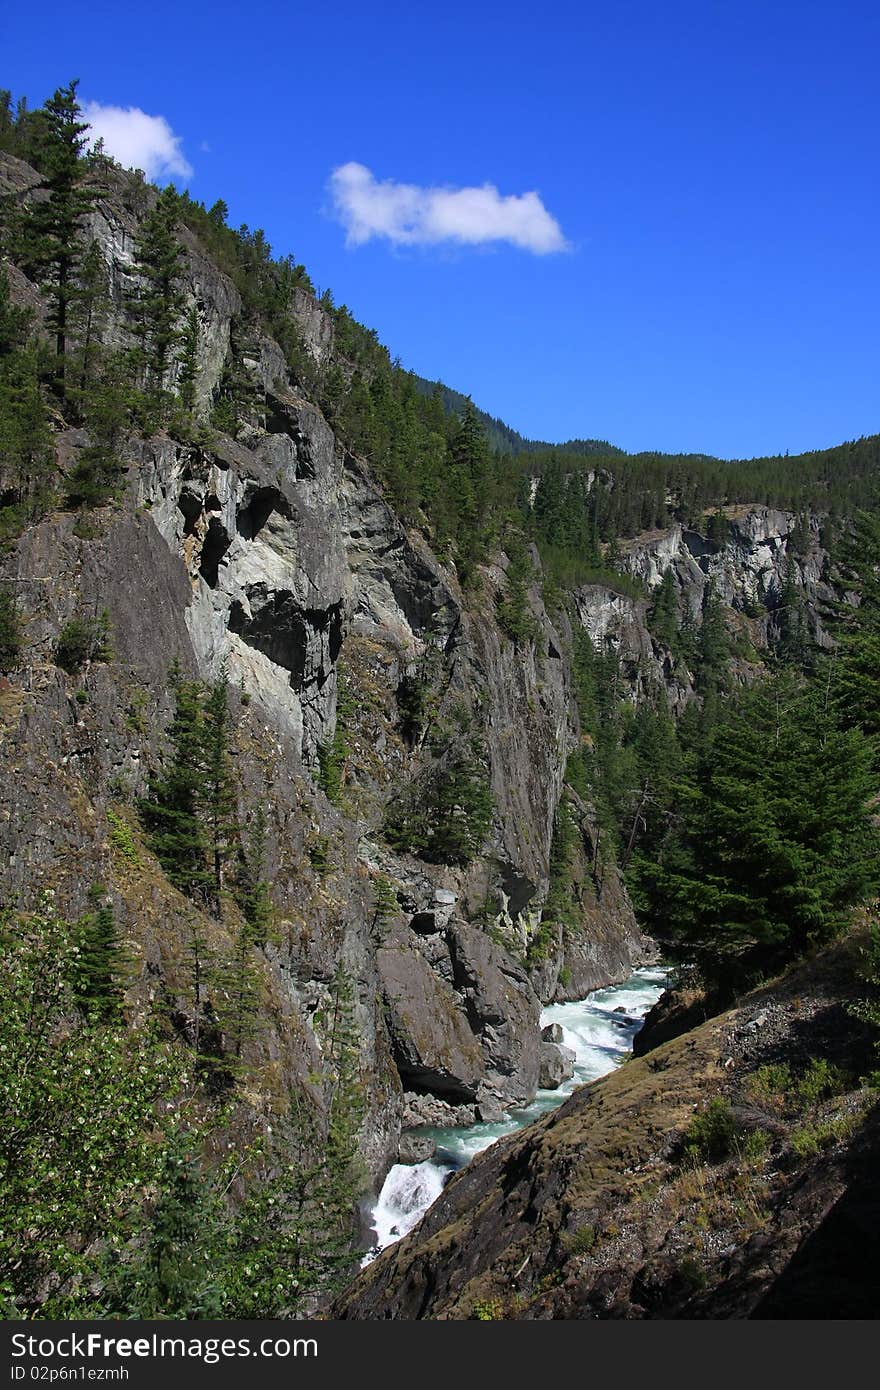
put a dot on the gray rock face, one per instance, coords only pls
(415, 1148)
(277, 555)
(557, 1065)
(749, 571)
(503, 1010)
(433, 1047)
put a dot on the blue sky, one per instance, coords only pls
(710, 170)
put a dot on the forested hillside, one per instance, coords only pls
(343, 728)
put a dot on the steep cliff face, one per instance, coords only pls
(274, 556)
(639, 1199)
(764, 555)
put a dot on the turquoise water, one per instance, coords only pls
(599, 1030)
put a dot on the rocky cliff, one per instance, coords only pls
(725, 1173)
(274, 556)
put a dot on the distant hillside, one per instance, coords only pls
(503, 439)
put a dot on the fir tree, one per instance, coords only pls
(54, 224)
(217, 797)
(713, 644)
(792, 646)
(98, 978)
(253, 890)
(10, 630)
(89, 316)
(514, 608)
(663, 613)
(171, 811)
(168, 1273)
(775, 842)
(189, 359)
(158, 301)
(26, 451)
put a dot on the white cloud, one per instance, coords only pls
(138, 141)
(409, 215)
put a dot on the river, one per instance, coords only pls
(599, 1030)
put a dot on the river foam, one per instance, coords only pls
(599, 1030)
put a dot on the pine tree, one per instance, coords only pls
(158, 301)
(168, 1273)
(775, 843)
(241, 987)
(713, 643)
(514, 609)
(100, 969)
(189, 359)
(467, 473)
(26, 450)
(855, 680)
(663, 613)
(88, 318)
(218, 794)
(171, 811)
(253, 890)
(54, 227)
(98, 474)
(343, 1175)
(792, 646)
(10, 630)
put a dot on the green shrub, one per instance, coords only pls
(122, 838)
(821, 1080)
(82, 640)
(710, 1136)
(581, 1241)
(770, 1085)
(809, 1140)
(10, 630)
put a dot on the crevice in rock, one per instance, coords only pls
(261, 503)
(190, 505)
(214, 547)
(283, 631)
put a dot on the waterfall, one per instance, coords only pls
(599, 1030)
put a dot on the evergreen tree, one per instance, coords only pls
(663, 613)
(26, 450)
(82, 1106)
(218, 793)
(158, 302)
(253, 890)
(514, 609)
(171, 811)
(169, 1272)
(792, 646)
(343, 1175)
(855, 680)
(775, 842)
(98, 978)
(10, 630)
(467, 474)
(713, 643)
(97, 476)
(189, 359)
(242, 993)
(55, 244)
(88, 318)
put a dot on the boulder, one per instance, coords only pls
(557, 1065)
(415, 1148)
(433, 1047)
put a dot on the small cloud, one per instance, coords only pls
(138, 141)
(409, 215)
(205, 147)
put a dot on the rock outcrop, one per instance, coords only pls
(616, 1206)
(275, 557)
